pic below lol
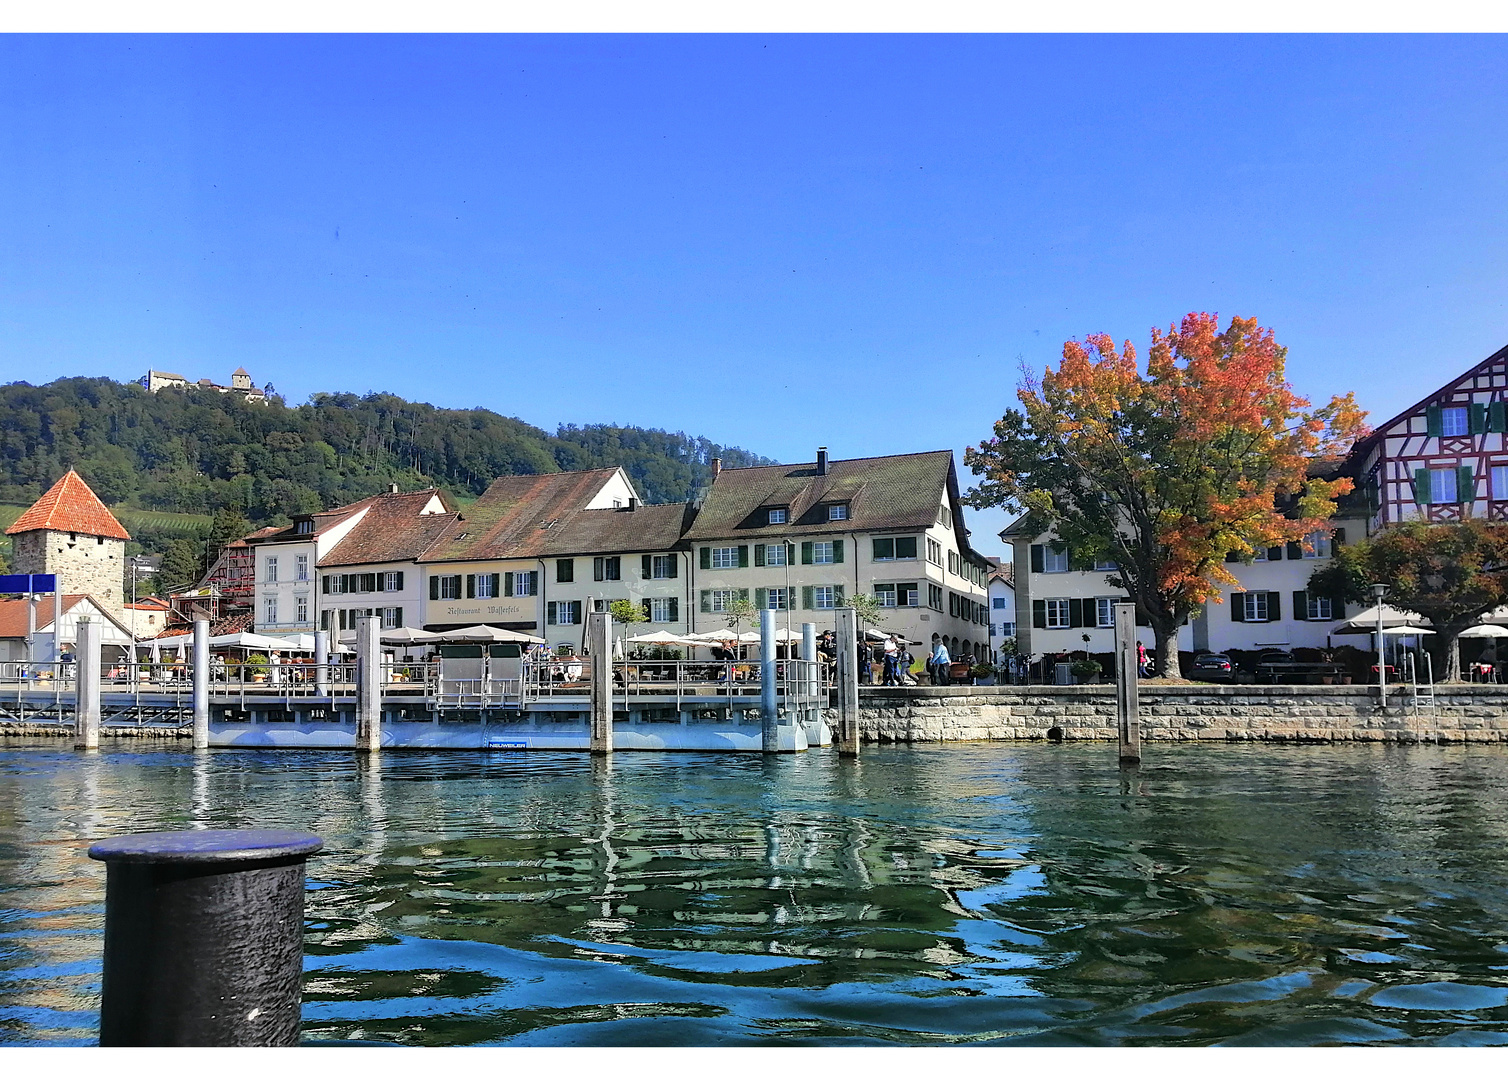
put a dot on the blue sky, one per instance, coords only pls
(772, 241)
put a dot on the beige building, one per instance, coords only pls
(70, 533)
(798, 539)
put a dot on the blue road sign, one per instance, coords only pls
(28, 583)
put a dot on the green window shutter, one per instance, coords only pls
(1432, 421)
(434, 587)
(706, 558)
(1039, 614)
(675, 565)
(1421, 486)
(1075, 613)
(496, 579)
(761, 596)
(806, 597)
(647, 568)
(758, 554)
(1497, 417)
(471, 586)
(806, 553)
(508, 584)
(1295, 549)
(1038, 559)
(1301, 606)
(743, 555)
(706, 601)
(742, 594)
(598, 568)
(400, 581)
(1478, 419)
(838, 595)
(1238, 607)
(837, 551)
(790, 553)
(1466, 484)
(550, 613)
(1274, 607)
(644, 607)
(675, 609)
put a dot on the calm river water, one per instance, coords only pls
(958, 894)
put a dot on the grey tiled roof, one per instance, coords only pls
(902, 491)
(516, 515)
(592, 532)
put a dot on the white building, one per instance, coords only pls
(1002, 592)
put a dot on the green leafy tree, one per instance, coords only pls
(626, 611)
(180, 568)
(1450, 574)
(738, 612)
(866, 606)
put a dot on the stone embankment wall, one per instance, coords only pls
(1462, 713)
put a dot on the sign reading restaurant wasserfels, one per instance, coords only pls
(489, 610)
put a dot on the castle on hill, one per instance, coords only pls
(240, 383)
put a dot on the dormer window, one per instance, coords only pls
(837, 512)
(304, 527)
(777, 515)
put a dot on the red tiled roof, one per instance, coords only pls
(70, 506)
(392, 530)
(514, 517)
(13, 614)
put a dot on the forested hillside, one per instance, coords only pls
(197, 451)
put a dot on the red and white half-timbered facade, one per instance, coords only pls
(1443, 459)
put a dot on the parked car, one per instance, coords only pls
(1213, 667)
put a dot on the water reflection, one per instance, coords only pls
(948, 894)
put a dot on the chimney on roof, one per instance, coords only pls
(821, 461)
(717, 467)
(392, 489)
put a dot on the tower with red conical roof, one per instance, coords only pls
(70, 533)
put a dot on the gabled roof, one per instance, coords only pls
(325, 519)
(1378, 432)
(394, 529)
(13, 614)
(609, 531)
(515, 516)
(70, 506)
(901, 491)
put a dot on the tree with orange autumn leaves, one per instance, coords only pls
(1208, 453)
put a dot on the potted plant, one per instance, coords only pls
(1086, 670)
(984, 674)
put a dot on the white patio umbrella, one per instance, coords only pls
(1484, 630)
(1408, 631)
(486, 635)
(408, 635)
(1365, 622)
(664, 637)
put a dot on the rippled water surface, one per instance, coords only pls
(954, 894)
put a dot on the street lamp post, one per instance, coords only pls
(1379, 590)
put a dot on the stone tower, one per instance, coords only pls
(70, 533)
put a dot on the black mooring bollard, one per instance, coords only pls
(204, 937)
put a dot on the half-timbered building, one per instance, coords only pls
(1444, 458)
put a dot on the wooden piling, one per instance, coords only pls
(86, 682)
(1128, 722)
(847, 675)
(368, 683)
(600, 646)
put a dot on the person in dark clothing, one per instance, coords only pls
(864, 663)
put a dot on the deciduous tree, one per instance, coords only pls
(1450, 574)
(1167, 471)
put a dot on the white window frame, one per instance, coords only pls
(1106, 564)
(301, 609)
(1455, 420)
(934, 596)
(301, 569)
(1443, 486)
(484, 587)
(824, 597)
(390, 617)
(450, 587)
(777, 599)
(389, 582)
(659, 609)
(1317, 545)
(1260, 554)
(565, 613)
(822, 552)
(722, 599)
(1104, 611)
(1057, 613)
(524, 583)
(934, 552)
(660, 566)
(724, 558)
(269, 611)
(1054, 561)
(271, 569)
(1499, 475)
(778, 516)
(1254, 606)
(886, 595)
(1319, 608)
(774, 555)
(837, 512)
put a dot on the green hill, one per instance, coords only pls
(167, 462)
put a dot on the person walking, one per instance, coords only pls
(1141, 660)
(940, 663)
(864, 663)
(890, 678)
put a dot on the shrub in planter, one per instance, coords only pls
(983, 671)
(1085, 670)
